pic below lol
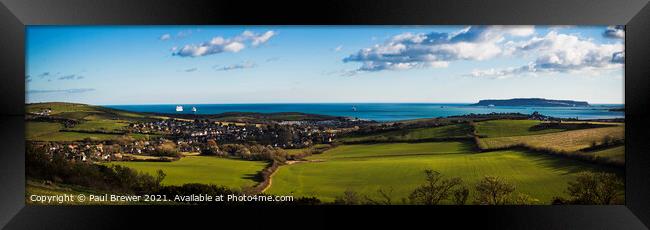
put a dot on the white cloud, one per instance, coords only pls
(614, 32)
(71, 77)
(220, 44)
(261, 39)
(409, 50)
(502, 73)
(245, 65)
(338, 48)
(165, 37)
(557, 52)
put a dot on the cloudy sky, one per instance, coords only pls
(289, 64)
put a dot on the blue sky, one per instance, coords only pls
(111, 65)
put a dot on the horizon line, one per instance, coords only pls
(244, 103)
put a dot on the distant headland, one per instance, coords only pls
(538, 102)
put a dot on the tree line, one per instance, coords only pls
(588, 188)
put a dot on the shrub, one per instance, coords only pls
(596, 188)
(435, 189)
(493, 191)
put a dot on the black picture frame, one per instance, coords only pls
(635, 14)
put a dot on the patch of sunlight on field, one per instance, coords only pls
(393, 149)
(506, 128)
(448, 131)
(541, 176)
(203, 169)
(102, 125)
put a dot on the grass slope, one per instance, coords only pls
(50, 131)
(396, 149)
(203, 169)
(507, 128)
(448, 131)
(90, 119)
(616, 154)
(541, 176)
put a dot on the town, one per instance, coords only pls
(169, 138)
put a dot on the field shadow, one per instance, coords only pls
(568, 165)
(257, 177)
(567, 126)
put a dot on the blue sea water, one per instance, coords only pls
(384, 111)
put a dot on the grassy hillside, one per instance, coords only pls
(401, 168)
(101, 125)
(203, 169)
(507, 128)
(85, 112)
(448, 131)
(397, 149)
(51, 131)
(91, 122)
(616, 154)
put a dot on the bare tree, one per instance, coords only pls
(435, 189)
(493, 191)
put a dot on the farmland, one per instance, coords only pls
(567, 141)
(419, 134)
(399, 167)
(203, 169)
(507, 128)
(92, 122)
(50, 131)
(389, 157)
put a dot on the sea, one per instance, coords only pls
(384, 112)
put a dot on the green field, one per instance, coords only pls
(101, 125)
(508, 128)
(616, 154)
(41, 130)
(392, 150)
(203, 169)
(448, 131)
(355, 167)
(50, 131)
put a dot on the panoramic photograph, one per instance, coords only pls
(325, 115)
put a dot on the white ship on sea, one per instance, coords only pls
(194, 109)
(179, 108)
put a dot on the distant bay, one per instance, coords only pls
(384, 111)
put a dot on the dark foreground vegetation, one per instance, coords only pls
(588, 189)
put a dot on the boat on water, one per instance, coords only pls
(194, 109)
(354, 108)
(179, 108)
